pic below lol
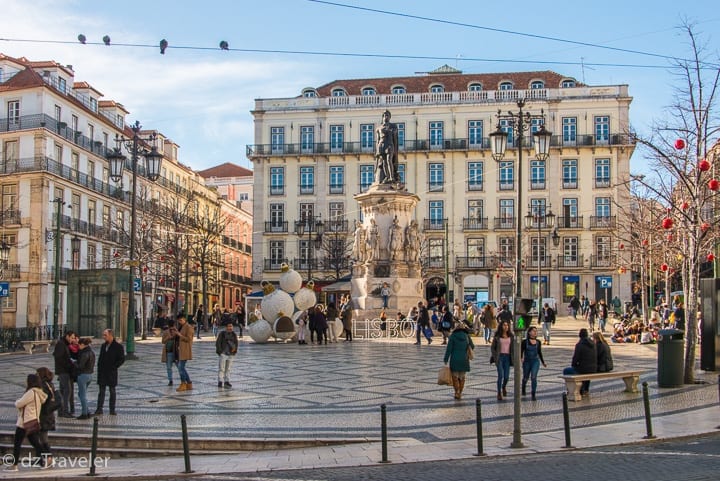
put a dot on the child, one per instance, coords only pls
(300, 321)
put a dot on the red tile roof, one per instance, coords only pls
(26, 78)
(452, 82)
(228, 169)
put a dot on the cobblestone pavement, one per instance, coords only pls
(687, 459)
(288, 391)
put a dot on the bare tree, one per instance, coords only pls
(678, 148)
(336, 248)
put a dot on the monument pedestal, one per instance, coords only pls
(390, 251)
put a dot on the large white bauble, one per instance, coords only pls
(305, 298)
(290, 279)
(260, 331)
(275, 303)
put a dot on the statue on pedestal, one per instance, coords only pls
(359, 248)
(386, 151)
(412, 242)
(396, 242)
(373, 242)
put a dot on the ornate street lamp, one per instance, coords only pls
(153, 161)
(520, 122)
(311, 225)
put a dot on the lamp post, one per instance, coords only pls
(311, 225)
(520, 122)
(56, 288)
(540, 217)
(116, 160)
(4, 259)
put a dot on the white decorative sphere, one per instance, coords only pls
(284, 328)
(260, 331)
(305, 298)
(290, 279)
(275, 303)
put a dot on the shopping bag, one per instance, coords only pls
(444, 376)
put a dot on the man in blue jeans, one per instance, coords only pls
(423, 322)
(185, 333)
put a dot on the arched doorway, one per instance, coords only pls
(435, 289)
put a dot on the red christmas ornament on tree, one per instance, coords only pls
(711, 257)
(645, 243)
(704, 226)
(145, 269)
(621, 246)
(664, 267)
(667, 223)
(685, 206)
(713, 184)
(669, 237)
(704, 165)
(679, 144)
(162, 258)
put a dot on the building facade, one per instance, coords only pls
(314, 152)
(61, 212)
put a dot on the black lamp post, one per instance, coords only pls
(116, 159)
(520, 122)
(540, 218)
(311, 225)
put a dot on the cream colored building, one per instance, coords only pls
(314, 152)
(55, 133)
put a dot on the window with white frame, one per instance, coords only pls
(537, 84)
(307, 179)
(507, 213)
(401, 173)
(570, 173)
(9, 197)
(337, 179)
(602, 207)
(338, 92)
(475, 87)
(436, 134)
(398, 89)
(506, 86)
(277, 139)
(368, 91)
(367, 137)
(277, 180)
(506, 173)
(569, 216)
(475, 175)
(568, 83)
(569, 129)
(436, 250)
(602, 172)
(277, 217)
(506, 248)
(401, 135)
(9, 302)
(437, 88)
(436, 209)
(603, 250)
(337, 137)
(58, 113)
(307, 138)
(436, 177)
(62, 85)
(602, 129)
(537, 174)
(277, 253)
(91, 256)
(475, 133)
(13, 112)
(570, 252)
(507, 126)
(367, 176)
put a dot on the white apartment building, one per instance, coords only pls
(314, 152)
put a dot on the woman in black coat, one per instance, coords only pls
(47, 411)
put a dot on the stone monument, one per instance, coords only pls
(387, 243)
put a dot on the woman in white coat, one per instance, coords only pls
(28, 407)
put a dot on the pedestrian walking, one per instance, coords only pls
(65, 369)
(531, 357)
(319, 321)
(574, 307)
(112, 356)
(489, 322)
(591, 315)
(457, 352)
(602, 314)
(86, 367)
(170, 346)
(547, 316)
(423, 323)
(47, 412)
(331, 315)
(28, 419)
(446, 324)
(584, 360)
(501, 351)
(226, 346)
(199, 319)
(347, 319)
(185, 339)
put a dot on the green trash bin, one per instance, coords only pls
(670, 357)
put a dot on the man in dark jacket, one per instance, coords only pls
(64, 371)
(423, 322)
(226, 346)
(584, 360)
(112, 356)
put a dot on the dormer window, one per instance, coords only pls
(339, 92)
(398, 89)
(93, 104)
(368, 91)
(475, 87)
(537, 84)
(436, 89)
(567, 83)
(506, 86)
(309, 93)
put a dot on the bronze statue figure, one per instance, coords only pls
(386, 152)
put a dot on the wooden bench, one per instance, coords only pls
(30, 346)
(574, 381)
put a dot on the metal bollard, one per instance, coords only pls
(478, 417)
(186, 444)
(383, 433)
(566, 420)
(648, 421)
(93, 447)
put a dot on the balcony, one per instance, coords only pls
(337, 189)
(276, 227)
(434, 224)
(273, 265)
(569, 183)
(10, 217)
(607, 262)
(569, 261)
(277, 190)
(476, 262)
(434, 263)
(475, 224)
(504, 223)
(301, 264)
(336, 226)
(533, 261)
(10, 272)
(436, 186)
(602, 222)
(569, 222)
(306, 189)
(602, 182)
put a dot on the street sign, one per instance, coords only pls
(137, 284)
(604, 281)
(4, 289)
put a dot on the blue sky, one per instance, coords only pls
(202, 99)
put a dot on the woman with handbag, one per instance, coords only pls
(28, 421)
(458, 352)
(501, 351)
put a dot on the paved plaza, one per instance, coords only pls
(332, 393)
